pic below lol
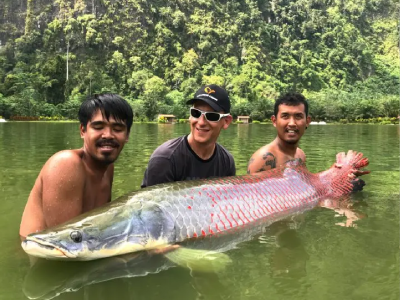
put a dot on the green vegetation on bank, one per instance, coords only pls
(343, 55)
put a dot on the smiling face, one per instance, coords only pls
(204, 131)
(104, 139)
(291, 122)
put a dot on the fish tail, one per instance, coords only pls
(345, 171)
(352, 158)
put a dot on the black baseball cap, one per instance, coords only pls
(214, 96)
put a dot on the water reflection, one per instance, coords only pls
(290, 257)
(289, 263)
(137, 276)
(48, 279)
(348, 210)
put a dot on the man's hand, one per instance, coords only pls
(357, 183)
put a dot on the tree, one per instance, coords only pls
(154, 94)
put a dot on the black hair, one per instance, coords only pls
(109, 105)
(291, 99)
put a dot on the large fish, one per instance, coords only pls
(213, 214)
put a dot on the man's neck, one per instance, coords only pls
(94, 167)
(204, 151)
(287, 148)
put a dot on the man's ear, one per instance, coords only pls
(308, 121)
(82, 130)
(273, 119)
(227, 121)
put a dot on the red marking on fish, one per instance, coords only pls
(234, 220)
(210, 230)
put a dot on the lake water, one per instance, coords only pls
(313, 258)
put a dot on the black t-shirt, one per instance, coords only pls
(176, 161)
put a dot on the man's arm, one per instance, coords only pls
(301, 155)
(63, 183)
(57, 194)
(262, 160)
(159, 170)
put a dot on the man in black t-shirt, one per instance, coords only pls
(196, 155)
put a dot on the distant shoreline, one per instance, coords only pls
(235, 123)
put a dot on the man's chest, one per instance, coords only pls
(289, 159)
(96, 194)
(195, 169)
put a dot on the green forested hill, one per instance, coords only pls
(342, 54)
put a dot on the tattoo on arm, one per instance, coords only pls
(270, 160)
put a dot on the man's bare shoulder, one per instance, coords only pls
(300, 154)
(265, 151)
(65, 161)
(268, 148)
(263, 159)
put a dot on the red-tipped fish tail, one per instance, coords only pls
(340, 179)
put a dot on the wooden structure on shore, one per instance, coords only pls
(167, 118)
(244, 119)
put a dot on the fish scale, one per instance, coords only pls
(236, 202)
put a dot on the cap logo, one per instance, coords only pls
(208, 90)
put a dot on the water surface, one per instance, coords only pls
(311, 258)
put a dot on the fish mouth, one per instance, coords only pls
(39, 248)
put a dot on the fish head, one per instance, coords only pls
(86, 241)
(73, 241)
(103, 233)
(96, 234)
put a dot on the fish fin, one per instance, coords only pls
(199, 260)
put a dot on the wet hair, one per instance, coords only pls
(291, 99)
(109, 105)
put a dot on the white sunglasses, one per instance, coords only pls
(209, 115)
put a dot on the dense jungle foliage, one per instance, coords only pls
(342, 54)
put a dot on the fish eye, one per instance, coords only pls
(76, 236)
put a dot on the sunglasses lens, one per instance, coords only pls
(195, 113)
(210, 116)
(213, 117)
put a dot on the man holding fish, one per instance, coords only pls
(290, 119)
(76, 181)
(197, 155)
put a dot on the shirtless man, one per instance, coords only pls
(290, 119)
(75, 181)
